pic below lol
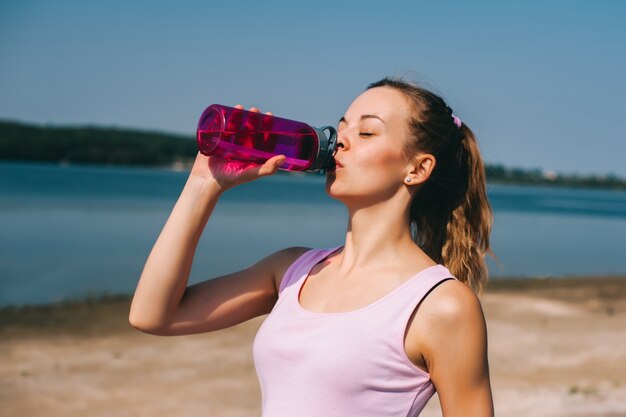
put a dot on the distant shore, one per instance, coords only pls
(556, 347)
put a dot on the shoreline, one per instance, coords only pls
(556, 347)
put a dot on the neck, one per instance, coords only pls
(378, 235)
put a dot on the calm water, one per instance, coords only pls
(68, 232)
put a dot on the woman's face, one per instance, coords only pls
(371, 164)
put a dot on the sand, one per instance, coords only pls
(557, 347)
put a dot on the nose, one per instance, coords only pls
(341, 143)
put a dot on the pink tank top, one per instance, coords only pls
(346, 364)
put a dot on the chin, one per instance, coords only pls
(331, 186)
(338, 191)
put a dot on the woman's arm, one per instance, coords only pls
(162, 303)
(164, 278)
(456, 350)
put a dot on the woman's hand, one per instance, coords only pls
(228, 174)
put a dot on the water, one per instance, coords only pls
(73, 231)
(299, 149)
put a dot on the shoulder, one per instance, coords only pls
(283, 259)
(450, 299)
(451, 308)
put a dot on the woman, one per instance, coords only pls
(381, 323)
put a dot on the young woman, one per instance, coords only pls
(372, 327)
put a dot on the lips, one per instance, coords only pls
(333, 165)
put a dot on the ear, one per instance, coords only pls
(420, 169)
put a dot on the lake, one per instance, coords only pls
(77, 231)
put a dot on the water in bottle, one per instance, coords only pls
(242, 135)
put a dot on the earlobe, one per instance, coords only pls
(421, 169)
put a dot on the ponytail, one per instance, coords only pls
(467, 230)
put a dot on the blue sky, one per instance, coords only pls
(542, 84)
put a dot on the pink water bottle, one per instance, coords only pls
(243, 135)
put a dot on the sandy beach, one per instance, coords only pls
(557, 347)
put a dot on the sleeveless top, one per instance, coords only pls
(344, 364)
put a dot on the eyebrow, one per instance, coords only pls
(365, 116)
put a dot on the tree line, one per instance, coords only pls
(97, 145)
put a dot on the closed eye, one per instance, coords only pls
(366, 134)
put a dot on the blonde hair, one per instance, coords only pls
(450, 215)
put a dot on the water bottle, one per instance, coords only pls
(242, 135)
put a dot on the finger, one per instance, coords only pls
(254, 109)
(277, 159)
(238, 106)
(269, 113)
(271, 165)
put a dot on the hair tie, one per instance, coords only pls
(457, 121)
